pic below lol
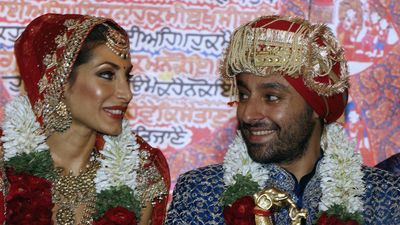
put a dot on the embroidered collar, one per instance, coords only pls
(339, 169)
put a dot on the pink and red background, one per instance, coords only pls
(176, 47)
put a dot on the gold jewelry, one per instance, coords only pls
(268, 198)
(58, 118)
(117, 42)
(70, 192)
(62, 117)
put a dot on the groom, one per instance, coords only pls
(290, 80)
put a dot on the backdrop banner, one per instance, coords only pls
(176, 46)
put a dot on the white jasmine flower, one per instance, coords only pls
(120, 164)
(20, 129)
(238, 161)
(341, 174)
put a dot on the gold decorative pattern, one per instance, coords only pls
(43, 82)
(61, 119)
(38, 107)
(71, 192)
(71, 24)
(264, 51)
(117, 42)
(150, 183)
(61, 40)
(50, 60)
(278, 50)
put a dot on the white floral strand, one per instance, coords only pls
(238, 161)
(120, 164)
(340, 169)
(20, 129)
(341, 180)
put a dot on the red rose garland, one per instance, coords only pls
(326, 219)
(241, 212)
(117, 216)
(28, 200)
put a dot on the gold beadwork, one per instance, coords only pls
(150, 183)
(61, 40)
(264, 51)
(70, 192)
(38, 107)
(64, 119)
(43, 82)
(71, 24)
(50, 60)
(60, 119)
(117, 42)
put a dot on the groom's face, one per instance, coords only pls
(275, 121)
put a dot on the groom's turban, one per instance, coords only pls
(307, 55)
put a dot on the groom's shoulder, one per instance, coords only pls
(376, 176)
(199, 175)
(382, 183)
(211, 175)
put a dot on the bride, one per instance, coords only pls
(69, 156)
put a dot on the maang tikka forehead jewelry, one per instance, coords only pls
(117, 42)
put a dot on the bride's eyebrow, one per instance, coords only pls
(115, 66)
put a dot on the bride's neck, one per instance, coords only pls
(72, 149)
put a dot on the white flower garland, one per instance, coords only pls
(340, 172)
(20, 129)
(237, 161)
(120, 159)
(340, 169)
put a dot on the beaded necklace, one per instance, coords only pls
(70, 192)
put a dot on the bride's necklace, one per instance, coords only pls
(70, 192)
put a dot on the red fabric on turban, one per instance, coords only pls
(330, 108)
